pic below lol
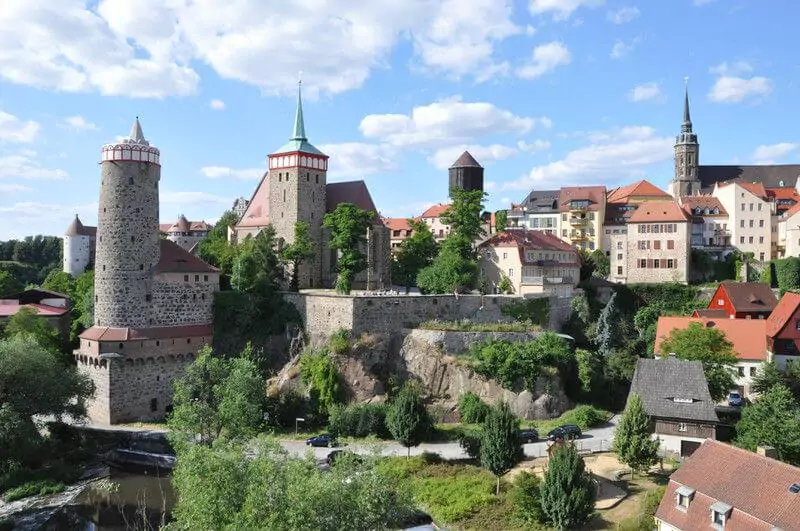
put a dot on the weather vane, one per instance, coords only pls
(300, 77)
(686, 81)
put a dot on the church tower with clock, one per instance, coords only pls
(687, 157)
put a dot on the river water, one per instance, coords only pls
(125, 500)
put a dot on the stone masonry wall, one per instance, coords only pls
(184, 298)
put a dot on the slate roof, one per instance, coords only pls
(755, 486)
(466, 160)
(749, 296)
(748, 336)
(355, 192)
(660, 381)
(541, 201)
(770, 176)
(710, 312)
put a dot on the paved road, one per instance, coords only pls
(595, 440)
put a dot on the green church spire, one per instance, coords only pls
(299, 132)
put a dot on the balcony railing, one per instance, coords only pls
(541, 281)
(578, 236)
(578, 221)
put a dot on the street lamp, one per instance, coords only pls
(295, 423)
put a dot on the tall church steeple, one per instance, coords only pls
(299, 131)
(687, 155)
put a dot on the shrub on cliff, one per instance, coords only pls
(473, 410)
(319, 373)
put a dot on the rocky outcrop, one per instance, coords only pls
(432, 359)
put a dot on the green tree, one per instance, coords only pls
(602, 265)
(415, 253)
(319, 372)
(298, 252)
(59, 281)
(34, 384)
(709, 346)
(501, 220)
(258, 268)
(567, 492)
(505, 285)
(464, 217)
(348, 225)
(590, 371)
(82, 304)
(9, 284)
(472, 409)
(772, 420)
(500, 444)
(586, 263)
(449, 272)
(216, 398)
(215, 248)
(632, 441)
(26, 322)
(768, 376)
(527, 500)
(408, 419)
(609, 333)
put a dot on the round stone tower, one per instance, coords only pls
(77, 248)
(128, 244)
(466, 173)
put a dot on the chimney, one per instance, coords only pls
(767, 451)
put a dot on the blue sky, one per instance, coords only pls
(543, 92)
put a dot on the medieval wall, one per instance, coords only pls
(184, 298)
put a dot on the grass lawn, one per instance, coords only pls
(635, 512)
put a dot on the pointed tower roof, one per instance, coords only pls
(466, 160)
(299, 141)
(135, 148)
(686, 127)
(75, 228)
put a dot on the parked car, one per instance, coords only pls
(734, 399)
(528, 435)
(566, 431)
(322, 440)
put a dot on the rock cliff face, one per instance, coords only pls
(432, 359)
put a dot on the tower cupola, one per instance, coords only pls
(133, 148)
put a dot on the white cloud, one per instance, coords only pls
(460, 37)
(769, 153)
(533, 147)
(221, 172)
(530, 31)
(30, 217)
(623, 153)
(217, 105)
(14, 188)
(443, 158)
(545, 58)
(623, 15)
(731, 89)
(79, 123)
(356, 159)
(621, 48)
(12, 129)
(24, 166)
(445, 122)
(194, 199)
(151, 48)
(561, 9)
(644, 92)
(735, 68)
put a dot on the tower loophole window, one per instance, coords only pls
(317, 177)
(133, 239)
(141, 267)
(130, 180)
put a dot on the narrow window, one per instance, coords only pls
(154, 404)
(205, 278)
(186, 278)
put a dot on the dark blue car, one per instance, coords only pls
(322, 440)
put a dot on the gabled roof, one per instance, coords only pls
(529, 239)
(435, 211)
(355, 192)
(772, 176)
(782, 313)
(783, 193)
(257, 212)
(749, 296)
(658, 211)
(755, 188)
(639, 189)
(176, 259)
(673, 388)
(755, 486)
(707, 204)
(596, 195)
(748, 336)
(466, 160)
(396, 223)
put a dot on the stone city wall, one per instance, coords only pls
(183, 299)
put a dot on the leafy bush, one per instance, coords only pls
(39, 487)
(470, 442)
(535, 311)
(339, 343)
(526, 499)
(472, 409)
(358, 420)
(318, 371)
(586, 416)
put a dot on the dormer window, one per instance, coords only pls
(719, 514)
(683, 497)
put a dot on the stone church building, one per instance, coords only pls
(153, 299)
(295, 188)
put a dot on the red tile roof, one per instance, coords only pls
(703, 202)
(527, 240)
(105, 333)
(184, 225)
(783, 193)
(782, 313)
(257, 212)
(396, 223)
(657, 211)
(596, 195)
(756, 487)
(176, 259)
(12, 307)
(749, 296)
(640, 189)
(748, 336)
(756, 189)
(792, 211)
(435, 211)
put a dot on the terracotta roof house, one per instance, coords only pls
(533, 262)
(724, 487)
(783, 198)
(50, 305)
(783, 330)
(637, 192)
(676, 397)
(744, 300)
(583, 210)
(748, 337)
(399, 230)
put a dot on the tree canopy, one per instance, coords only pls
(257, 268)
(416, 252)
(567, 492)
(408, 419)
(500, 445)
(26, 322)
(348, 225)
(709, 346)
(772, 420)
(632, 441)
(298, 252)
